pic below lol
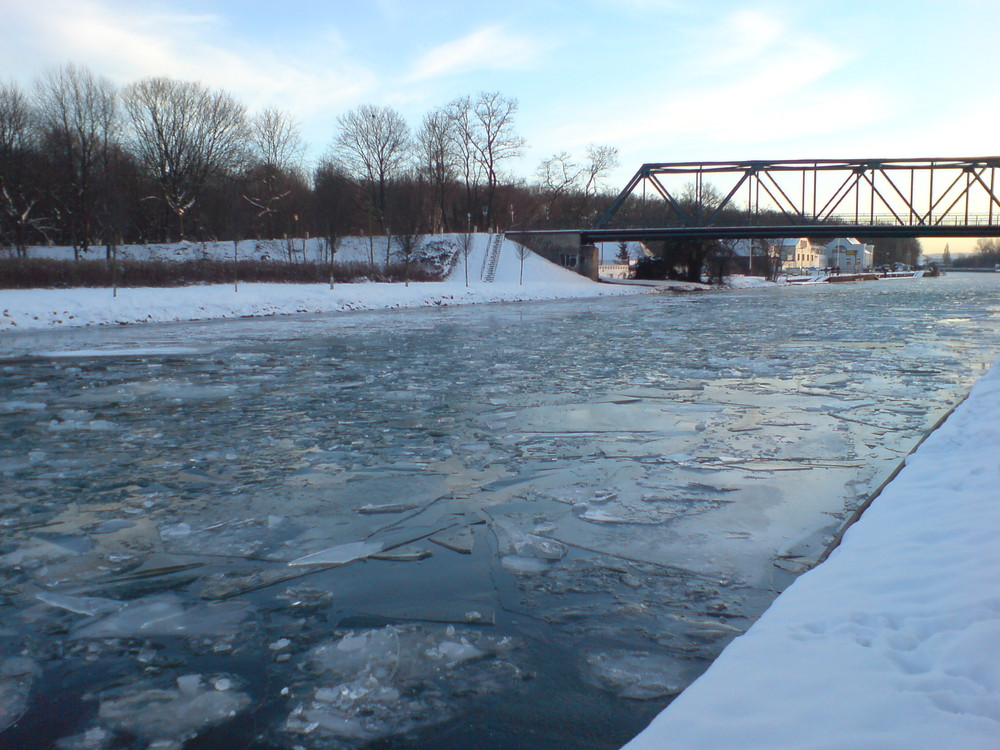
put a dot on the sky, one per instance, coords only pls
(661, 80)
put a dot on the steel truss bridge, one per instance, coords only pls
(820, 198)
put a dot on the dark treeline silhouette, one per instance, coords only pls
(987, 255)
(93, 166)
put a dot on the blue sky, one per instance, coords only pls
(662, 80)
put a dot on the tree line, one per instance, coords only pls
(88, 164)
(986, 255)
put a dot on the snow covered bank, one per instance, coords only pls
(57, 308)
(894, 642)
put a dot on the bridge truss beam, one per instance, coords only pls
(870, 197)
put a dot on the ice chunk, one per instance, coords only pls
(635, 674)
(524, 565)
(174, 530)
(320, 715)
(373, 509)
(95, 738)
(72, 419)
(166, 615)
(542, 548)
(81, 605)
(113, 525)
(457, 540)
(12, 407)
(43, 550)
(404, 554)
(17, 675)
(452, 652)
(306, 597)
(374, 651)
(189, 684)
(391, 680)
(511, 539)
(168, 718)
(341, 554)
(595, 515)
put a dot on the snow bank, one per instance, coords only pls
(894, 642)
(57, 308)
(747, 282)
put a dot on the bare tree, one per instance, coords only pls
(79, 115)
(16, 121)
(600, 161)
(437, 163)
(21, 178)
(463, 138)
(335, 199)
(374, 146)
(276, 152)
(523, 253)
(409, 241)
(496, 140)
(559, 176)
(465, 247)
(185, 134)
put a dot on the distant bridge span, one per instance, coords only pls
(791, 198)
(926, 197)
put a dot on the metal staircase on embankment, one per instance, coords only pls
(492, 259)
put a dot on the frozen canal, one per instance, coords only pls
(517, 526)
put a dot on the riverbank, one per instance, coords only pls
(31, 309)
(894, 641)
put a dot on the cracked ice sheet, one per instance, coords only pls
(892, 643)
(773, 505)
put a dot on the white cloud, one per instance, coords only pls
(749, 86)
(489, 48)
(758, 85)
(124, 42)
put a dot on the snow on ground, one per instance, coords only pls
(57, 308)
(747, 282)
(894, 642)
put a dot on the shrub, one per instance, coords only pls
(30, 273)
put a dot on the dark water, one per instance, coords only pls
(550, 517)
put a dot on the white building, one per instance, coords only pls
(800, 254)
(849, 255)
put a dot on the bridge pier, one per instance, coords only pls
(564, 248)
